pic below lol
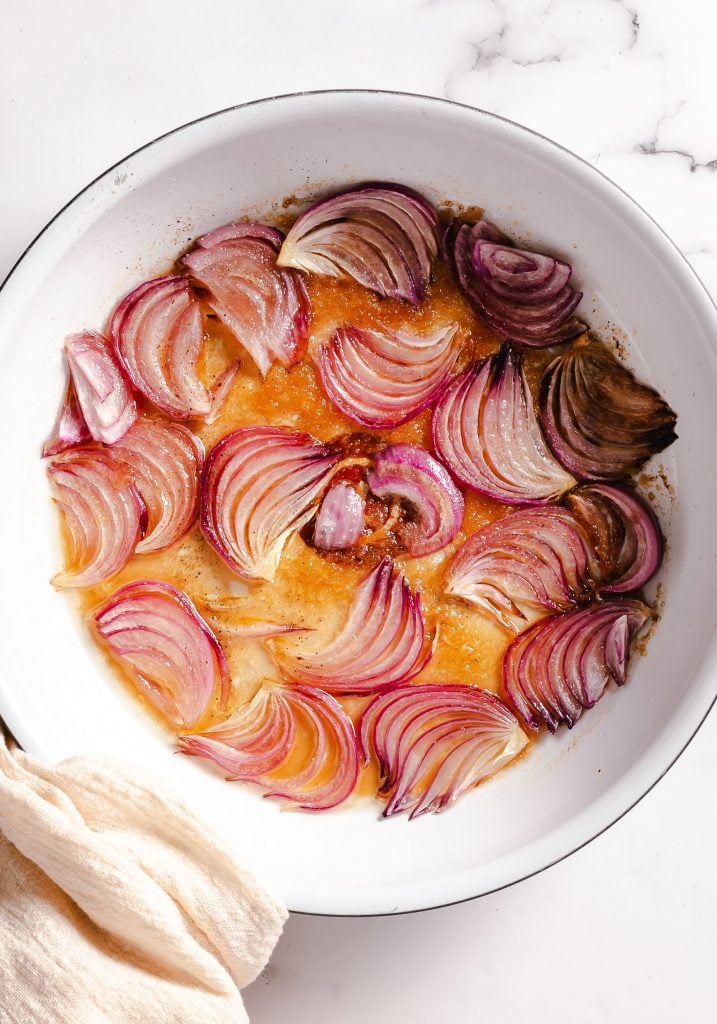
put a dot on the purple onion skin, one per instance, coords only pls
(409, 472)
(600, 422)
(515, 314)
(340, 519)
(636, 549)
(401, 268)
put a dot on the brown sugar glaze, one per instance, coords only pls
(310, 589)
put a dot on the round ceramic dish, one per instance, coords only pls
(127, 226)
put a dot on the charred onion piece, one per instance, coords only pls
(382, 234)
(408, 472)
(381, 644)
(523, 566)
(601, 422)
(102, 512)
(486, 431)
(265, 307)
(166, 648)
(255, 743)
(434, 742)
(165, 460)
(102, 390)
(259, 487)
(70, 428)
(625, 536)
(524, 296)
(562, 665)
(381, 379)
(158, 333)
(340, 519)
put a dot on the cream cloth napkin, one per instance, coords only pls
(116, 905)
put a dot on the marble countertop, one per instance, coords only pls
(624, 930)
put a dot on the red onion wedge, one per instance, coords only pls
(103, 392)
(102, 511)
(220, 391)
(381, 379)
(523, 566)
(524, 296)
(381, 644)
(70, 428)
(165, 646)
(340, 519)
(165, 460)
(601, 422)
(436, 741)
(265, 307)
(486, 431)
(259, 487)
(261, 737)
(408, 472)
(382, 234)
(561, 665)
(158, 333)
(625, 536)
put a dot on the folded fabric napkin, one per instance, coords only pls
(117, 905)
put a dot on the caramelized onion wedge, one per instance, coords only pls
(102, 512)
(381, 644)
(157, 331)
(265, 307)
(166, 461)
(561, 665)
(529, 563)
(601, 422)
(381, 379)
(408, 472)
(103, 392)
(166, 648)
(255, 744)
(625, 536)
(486, 431)
(382, 234)
(70, 428)
(259, 487)
(340, 519)
(524, 296)
(436, 741)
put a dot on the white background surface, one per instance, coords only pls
(626, 929)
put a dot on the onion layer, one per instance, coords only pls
(561, 666)
(382, 234)
(166, 648)
(381, 644)
(625, 536)
(102, 512)
(524, 296)
(434, 742)
(103, 393)
(255, 744)
(486, 431)
(601, 422)
(259, 487)
(523, 566)
(340, 519)
(158, 333)
(381, 379)
(408, 472)
(165, 460)
(265, 307)
(70, 428)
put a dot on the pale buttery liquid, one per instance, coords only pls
(311, 589)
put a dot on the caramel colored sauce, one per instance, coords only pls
(310, 589)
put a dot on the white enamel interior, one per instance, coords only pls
(55, 694)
